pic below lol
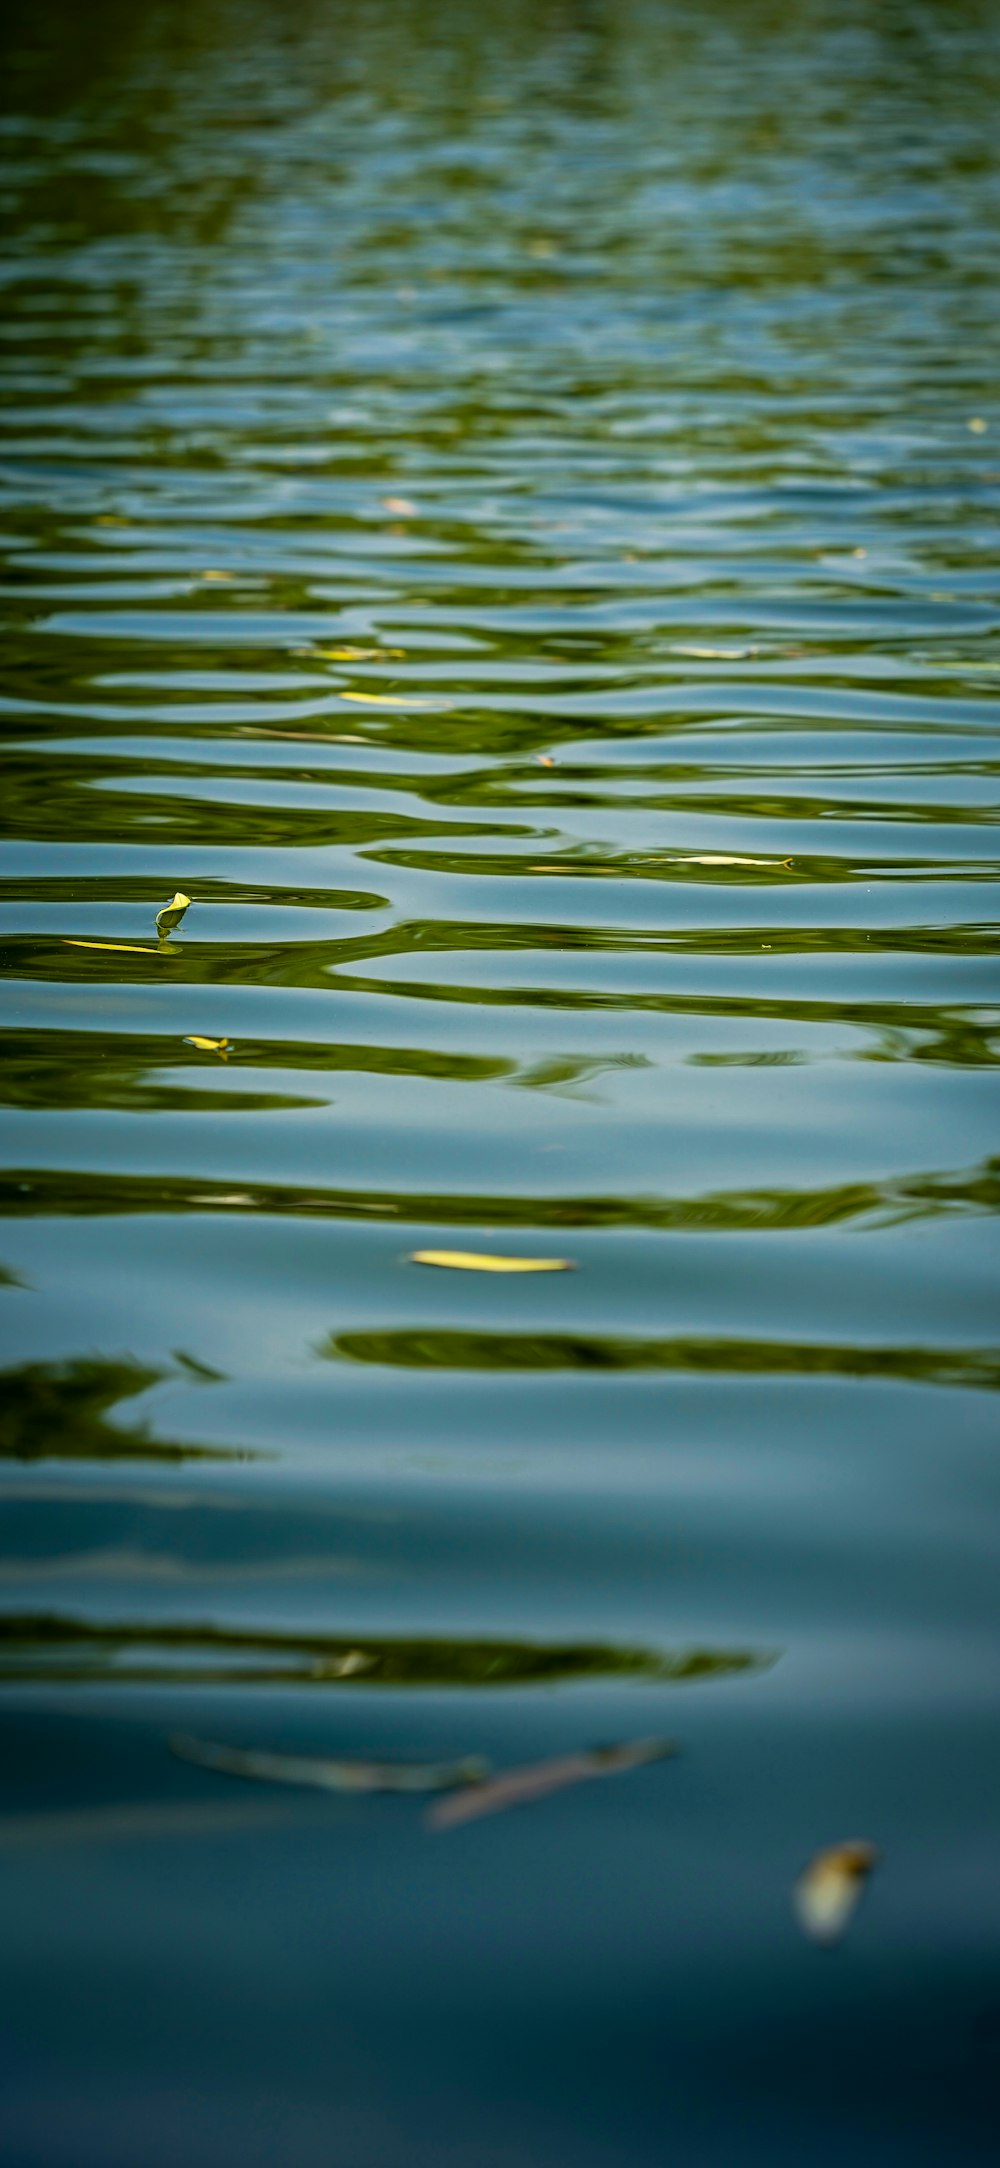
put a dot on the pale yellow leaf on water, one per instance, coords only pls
(401, 506)
(302, 737)
(977, 425)
(389, 700)
(216, 575)
(545, 760)
(363, 654)
(121, 948)
(482, 1261)
(715, 654)
(207, 1046)
(718, 858)
(355, 654)
(172, 912)
(827, 1894)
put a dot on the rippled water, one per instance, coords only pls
(499, 506)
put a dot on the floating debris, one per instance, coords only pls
(515, 1787)
(401, 506)
(354, 654)
(303, 737)
(171, 914)
(209, 1046)
(120, 948)
(328, 1775)
(977, 425)
(719, 858)
(390, 700)
(483, 1261)
(827, 1894)
(715, 654)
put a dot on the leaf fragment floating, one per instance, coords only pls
(331, 1775)
(829, 1890)
(208, 1046)
(485, 1261)
(390, 700)
(120, 948)
(354, 654)
(719, 858)
(401, 507)
(978, 425)
(172, 913)
(516, 1787)
(715, 654)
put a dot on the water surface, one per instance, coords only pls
(500, 507)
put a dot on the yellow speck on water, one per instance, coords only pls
(827, 1894)
(208, 1046)
(390, 700)
(481, 1261)
(977, 425)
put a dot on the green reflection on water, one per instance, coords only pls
(43, 1643)
(427, 1349)
(28, 1192)
(60, 1411)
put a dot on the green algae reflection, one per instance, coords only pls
(46, 1645)
(62, 1411)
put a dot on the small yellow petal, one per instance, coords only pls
(481, 1261)
(207, 1046)
(714, 654)
(389, 700)
(826, 1895)
(717, 858)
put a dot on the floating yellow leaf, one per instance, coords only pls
(545, 760)
(121, 948)
(302, 737)
(401, 506)
(977, 425)
(208, 1046)
(389, 700)
(826, 1895)
(355, 654)
(481, 1261)
(172, 913)
(715, 654)
(213, 575)
(717, 858)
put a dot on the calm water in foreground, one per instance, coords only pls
(499, 506)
